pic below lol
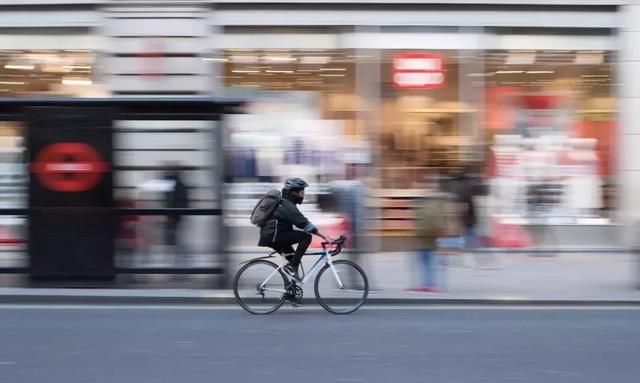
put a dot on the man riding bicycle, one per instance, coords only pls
(279, 233)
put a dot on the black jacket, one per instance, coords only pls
(284, 218)
(465, 188)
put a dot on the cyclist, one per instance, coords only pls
(279, 233)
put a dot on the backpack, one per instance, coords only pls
(265, 207)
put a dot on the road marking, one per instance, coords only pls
(313, 308)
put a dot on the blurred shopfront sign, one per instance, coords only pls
(69, 167)
(418, 71)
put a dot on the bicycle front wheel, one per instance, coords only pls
(260, 287)
(341, 287)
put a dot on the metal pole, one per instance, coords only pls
(223, 232)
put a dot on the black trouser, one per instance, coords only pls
(284, 240)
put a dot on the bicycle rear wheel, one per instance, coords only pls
(260, 287)
(341, 288)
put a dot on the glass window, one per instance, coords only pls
(550, 129)
(47, 72)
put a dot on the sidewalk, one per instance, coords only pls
(565, 277)
(511, 279)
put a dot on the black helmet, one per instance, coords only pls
(295, 184)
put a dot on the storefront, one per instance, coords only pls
(389, 94)
(440, 99)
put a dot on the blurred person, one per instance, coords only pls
(430, 225)
(279, 233)
(126, 232)
(176, 197)
(350, 196)
(465, 188)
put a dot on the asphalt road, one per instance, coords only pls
(93, 344)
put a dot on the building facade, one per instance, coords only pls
(401, 87)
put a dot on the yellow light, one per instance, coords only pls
(77, 81)
(19, 67)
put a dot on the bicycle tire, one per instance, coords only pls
(325, 302)
(241, 302)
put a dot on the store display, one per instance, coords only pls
(549, 176)
(584, 184)
(505, 161)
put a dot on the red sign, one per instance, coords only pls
(418, 71)
(69, 167)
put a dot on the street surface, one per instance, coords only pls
(90, 344)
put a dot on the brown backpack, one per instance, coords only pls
(265, 207)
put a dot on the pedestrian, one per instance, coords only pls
(465, 187)
(429, 225)
(176, 197)
(126, 234)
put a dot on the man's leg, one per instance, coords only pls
(287, 250)
(303, 245)
(290, 237)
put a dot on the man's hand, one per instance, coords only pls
(326, 239)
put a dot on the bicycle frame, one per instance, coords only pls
(322, 256)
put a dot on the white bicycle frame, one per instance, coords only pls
(322, 256)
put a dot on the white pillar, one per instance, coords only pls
(156, 48)
(628, 79)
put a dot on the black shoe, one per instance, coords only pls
(291, 271)
(289, 257)
(293, 301)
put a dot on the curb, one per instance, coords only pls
(227, 300)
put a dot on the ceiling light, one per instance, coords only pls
(244, 59)
(19, 67)
(333, 69)
(279, 71)
(540, 71)
(72, 67)
(245, 71)
(216, 59)
(314, 60)
(77, 81)
(589, 58)
(520, 58)
(509, 71)
(279, 58)
(331, 75)
(12, 82)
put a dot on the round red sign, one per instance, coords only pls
(69, 167)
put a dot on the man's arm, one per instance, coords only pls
(303, 223)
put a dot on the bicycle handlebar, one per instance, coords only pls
(338, 243)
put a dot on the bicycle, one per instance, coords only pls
(341, 286)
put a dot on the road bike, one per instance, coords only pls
(341, 287)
